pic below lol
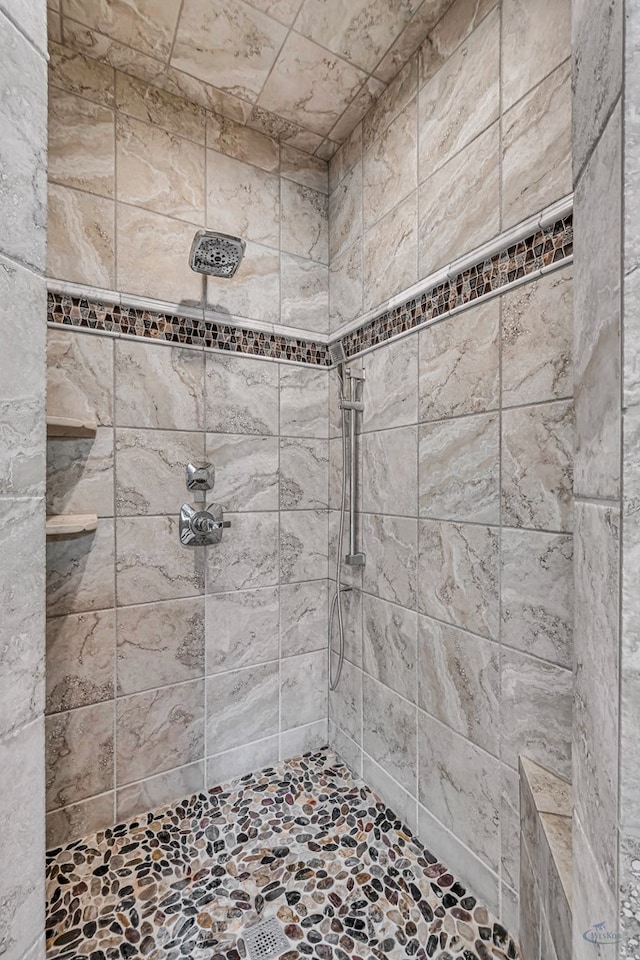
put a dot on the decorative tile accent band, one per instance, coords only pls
(544, 247)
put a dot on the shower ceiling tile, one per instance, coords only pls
(145, 25)
(283, 10)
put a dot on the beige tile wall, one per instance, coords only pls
(135, 171)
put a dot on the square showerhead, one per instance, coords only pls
(216, 254)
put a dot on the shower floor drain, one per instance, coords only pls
(265, 941)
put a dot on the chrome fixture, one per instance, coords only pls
(201, 528)
(351, 405)
(200, 476)
(216, 254)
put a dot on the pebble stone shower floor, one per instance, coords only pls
(305, 842)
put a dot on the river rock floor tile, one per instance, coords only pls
(304, 841)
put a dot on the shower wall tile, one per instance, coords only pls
(345, 158)
(80, 475)
(303, 689)
(81, 144)
(79, 754)
(390, 389)
(160, 790)
(255, 291)
(536, 38)
(246, 471)
(222, 767)
(304, 169)
(459, 466)
(80, 572)
(537, 340)
(70, 70)
(299, 740)
(389, 731)
(391, 102)
(537, 466)
(159, 644)
(161, 388)
(458, 575)
(80, 819)
(399, 800)
(80, 376)
(242, 395)
(459, 682)
(460, 785)
(345, 211)
(242, 706)
(247, 556)
(242, 629)
(457, 22)
(150, 469)
(391, 548)
(345, 286)
(242, 200)
(303, 545)
(389, 482)
(240, 142)
(389, 645)
(345, 703)
(346, 748)
(151, 563)
(304, 299)
(158, 730)
(537, 594)
(80, 659)
(140, 100)
(303, 617)
(389, 171)
(459, 363)
(304, 222)
(81, 231)
(390, 253)
(304, 398)
(304, 474)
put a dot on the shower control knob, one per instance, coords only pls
(200, 476)
(201, 528)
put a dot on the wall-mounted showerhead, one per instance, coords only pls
(336, 352)
(216, 254)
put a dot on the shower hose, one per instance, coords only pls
(336, 603)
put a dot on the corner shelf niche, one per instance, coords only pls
(70, 428)
(68, 525)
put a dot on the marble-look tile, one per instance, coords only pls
(389, 468)
(352, 604)
(242, 395)
(242, 200)
(345, 158)
(390, 103)
(304, 222)
(158, 454)
(346, 749)
(242, 629)
(152, 564)
(629, 651)
(345, 212)
(79, 754)
(160, 790)
(80, 475)
(54, 25)
(242, 706)
(153, 257)
(70, 70)
(23, 150)
(303, 545)
(22, 654)
(552, 794)
(597, 327)
(510, 829)
(255, 291)
(459, 205)
(309, 171)
(458, 575)
(304, 396)
(303, 617)
(345, 286)
(389, 732)
(357, 109)
(459, 469)
(159, 644)
(629, 889)
(391, 548)
(390, 386)
(143, 26)
(185, 86)
(159, 170)
(303, 689)
(159, 387)
(537, 594)
(536, 38)
(460, 785)
(536, 148)
(309, 85)
(597, 665)
(453, 27)
(390, 792)
(597, 37)
(80, 659)
(536, 700)
(22, 880)
(100, 46)
(242, 143)
(459, 682)
(407, 44)
(459, 364)
(79, 819)
(247, 556)
(389, 645)
(462, 99)
(530, 913)
(299, 740)
(593, 897)
(345, 703)
(537, 466)
(81, 144)
(246, 471)
(208, 39)
(390, 253)
(285, 131)
(240, 760)
(159, 108)
(159, 729)
(80, 572)
(81, 232)
(537, 340)
(80, 376)
(304, 298)
(304, 474)
(390, 166)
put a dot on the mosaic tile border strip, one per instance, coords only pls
(544, 248)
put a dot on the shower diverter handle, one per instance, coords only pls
(201, 528)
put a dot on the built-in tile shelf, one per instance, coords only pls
(69, 427)
(71, 524)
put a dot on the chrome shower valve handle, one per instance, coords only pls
(201, 528)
